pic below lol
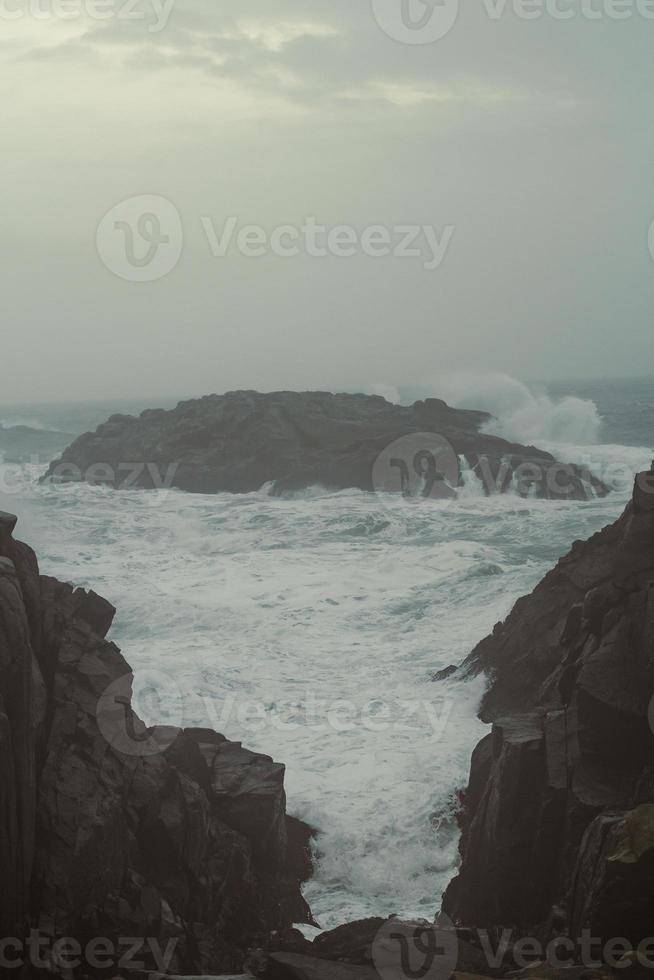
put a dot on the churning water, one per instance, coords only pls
(309, 627)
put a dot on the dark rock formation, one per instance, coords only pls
(242, 440)
(298, 966)
(558, 825)
(368, 950)
(110, 829)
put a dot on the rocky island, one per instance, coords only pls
(243, 440)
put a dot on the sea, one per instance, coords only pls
(309, 627)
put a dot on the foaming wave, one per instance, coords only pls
(520, 414)
(297, 607)
(389, 392)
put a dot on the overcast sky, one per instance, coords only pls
(525, 147)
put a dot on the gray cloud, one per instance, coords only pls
(532, 139)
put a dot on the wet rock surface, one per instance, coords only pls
(558, 816)
(110, 829)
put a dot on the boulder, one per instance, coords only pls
(295, 966)
(612, 891)
(369, 949)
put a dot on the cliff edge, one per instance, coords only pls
(111, 829)
(558, 816)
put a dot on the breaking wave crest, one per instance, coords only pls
(520, 414)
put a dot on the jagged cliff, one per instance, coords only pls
(109, 829)
(242, 440)
(558, 820)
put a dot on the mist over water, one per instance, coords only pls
(309, 628)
